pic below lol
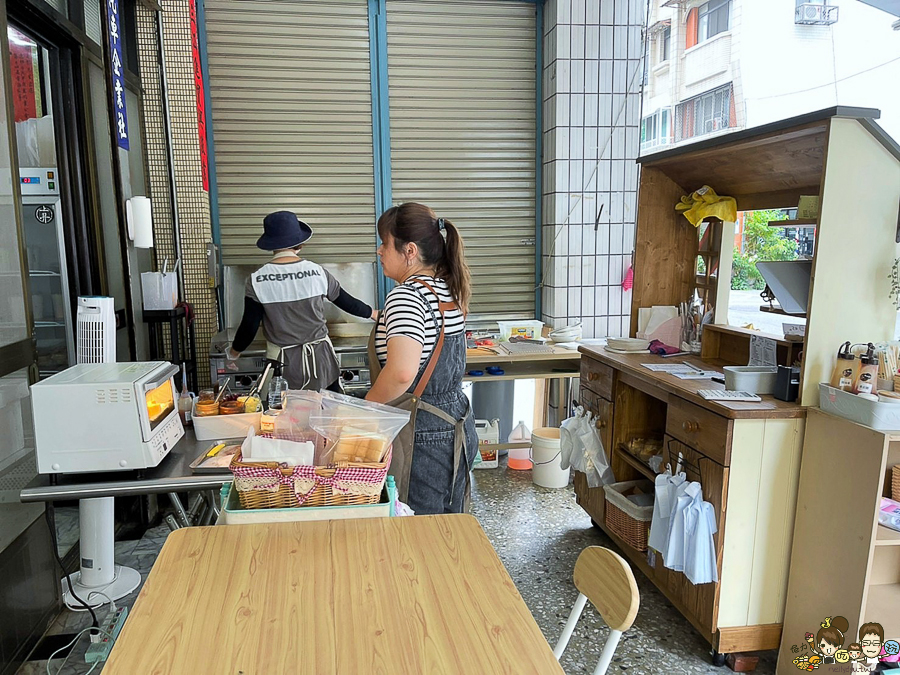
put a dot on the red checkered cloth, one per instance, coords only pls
(343, 480)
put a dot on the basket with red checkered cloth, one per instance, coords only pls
(270, 485)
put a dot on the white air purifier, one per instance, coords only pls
(95, 330)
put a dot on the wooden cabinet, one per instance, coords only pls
(843, 561)
(745, 456)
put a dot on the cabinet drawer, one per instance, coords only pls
(597, 377)
(701, 429)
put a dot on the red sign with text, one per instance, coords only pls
(201, 99)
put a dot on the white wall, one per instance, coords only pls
(592, 100)
(788, 69)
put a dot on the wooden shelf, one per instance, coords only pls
(635, 463)
(885, 536)
(800, 222)
(882, 602)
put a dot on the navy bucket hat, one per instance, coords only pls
(283, 229)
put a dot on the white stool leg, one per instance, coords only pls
(570, 626)
(608, 650)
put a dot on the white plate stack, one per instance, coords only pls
(622, 345)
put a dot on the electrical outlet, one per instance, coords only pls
(111, 625)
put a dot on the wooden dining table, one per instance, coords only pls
(425, 594)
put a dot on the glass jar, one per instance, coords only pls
(231, 407)
(206, 408)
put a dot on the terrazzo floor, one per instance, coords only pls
(538, 534)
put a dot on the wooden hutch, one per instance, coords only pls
(747, 456)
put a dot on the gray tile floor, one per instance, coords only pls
(538, 534)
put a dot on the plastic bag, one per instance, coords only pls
(293, 422)
(581, 449)
(597, 469)
(358, 431)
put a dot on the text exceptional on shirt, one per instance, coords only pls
(288, 276)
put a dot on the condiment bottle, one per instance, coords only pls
(867, 379)
(846, 368)
(185, 400)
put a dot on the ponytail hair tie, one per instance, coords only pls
(440, 224)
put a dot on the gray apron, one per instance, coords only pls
(434, 453)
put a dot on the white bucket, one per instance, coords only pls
(545, 454)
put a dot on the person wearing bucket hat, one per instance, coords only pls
(287, 297)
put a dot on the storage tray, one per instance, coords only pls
(873, 414)
(234, 514)
(217, 427)
(753, 379)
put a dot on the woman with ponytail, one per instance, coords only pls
(419, 347)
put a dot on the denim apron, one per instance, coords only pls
(435, 475)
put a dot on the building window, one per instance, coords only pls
(713, 19)
(656, 129)
(665, 44)
(705, 114)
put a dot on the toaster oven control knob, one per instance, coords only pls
(244, 380)
(347, 376)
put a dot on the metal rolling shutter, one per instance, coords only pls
(462, 113)
(292, 122)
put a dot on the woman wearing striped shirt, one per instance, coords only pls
(420, 342)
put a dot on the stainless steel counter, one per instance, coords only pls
(173, 474)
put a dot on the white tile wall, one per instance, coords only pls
(591, 110)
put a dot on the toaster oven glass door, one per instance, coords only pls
(160, 403)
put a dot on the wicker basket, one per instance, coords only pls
(277, 486)
(628, 520)
(895, 483)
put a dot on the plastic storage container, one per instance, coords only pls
(873, 414)
(488, 434)
(520, 458)
(752, 379)
(529, 330)
(548, 471)
(214, 427)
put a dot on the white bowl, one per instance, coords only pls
(628, 344)
(568, 334)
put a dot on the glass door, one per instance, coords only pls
(42, 217)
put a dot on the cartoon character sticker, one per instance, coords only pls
(826, 648)
(830, 638)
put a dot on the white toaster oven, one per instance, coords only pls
(106, 417)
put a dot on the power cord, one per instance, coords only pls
(95, 625)
(72, 645)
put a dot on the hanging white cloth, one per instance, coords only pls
(700, 550)
(663, 505)
(674, 559)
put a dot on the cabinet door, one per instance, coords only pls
(699, 602)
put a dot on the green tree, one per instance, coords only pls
(761, 244)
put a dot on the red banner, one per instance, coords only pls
(22, 66)
(201, 98)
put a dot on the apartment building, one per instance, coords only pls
(717, 66)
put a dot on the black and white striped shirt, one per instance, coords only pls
(406, 313)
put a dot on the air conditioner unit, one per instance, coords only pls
(95, 330)
(815, 14)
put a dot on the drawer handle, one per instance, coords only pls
(601, 424)
(690, 427)
(593, 377)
